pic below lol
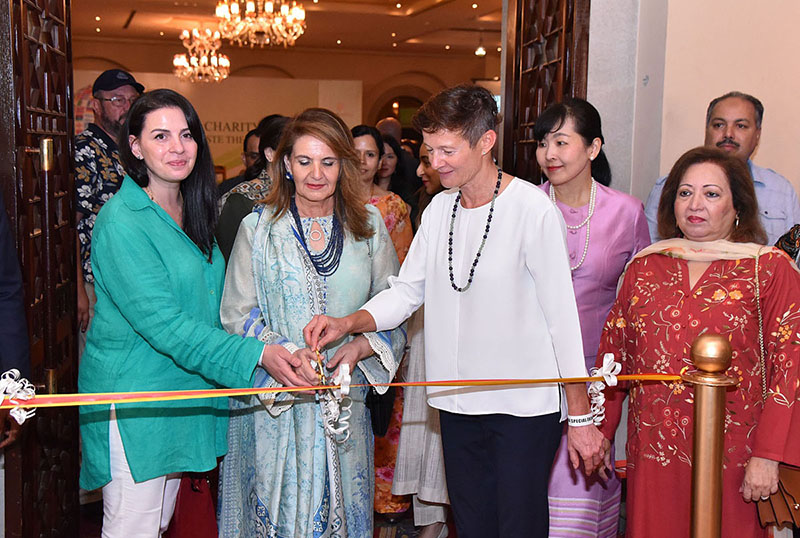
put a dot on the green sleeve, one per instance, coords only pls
(137, 281)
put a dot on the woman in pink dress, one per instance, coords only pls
(605, 229)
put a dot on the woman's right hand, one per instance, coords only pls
(282, 365)
(322, 330)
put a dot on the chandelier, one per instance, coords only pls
(261, 22)
(202, 64)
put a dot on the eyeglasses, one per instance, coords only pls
(118, 102)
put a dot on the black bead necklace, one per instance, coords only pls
(326, 262)
(483, 241)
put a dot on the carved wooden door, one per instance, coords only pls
(548, 42)
(36, 117)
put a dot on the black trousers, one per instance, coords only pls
(497, 469)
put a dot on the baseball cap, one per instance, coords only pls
(113, 79)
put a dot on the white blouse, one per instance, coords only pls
(518, 320)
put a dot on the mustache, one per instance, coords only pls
(725, 141)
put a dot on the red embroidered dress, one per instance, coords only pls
(650, 329)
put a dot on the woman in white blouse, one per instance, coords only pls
(490, 264)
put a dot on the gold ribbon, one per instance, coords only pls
(104, 398)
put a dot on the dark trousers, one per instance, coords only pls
(497, 468)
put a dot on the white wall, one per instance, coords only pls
(715, 47)
(610, 83)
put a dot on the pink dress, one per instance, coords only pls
(618, 230)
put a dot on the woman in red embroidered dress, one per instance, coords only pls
(702, 281)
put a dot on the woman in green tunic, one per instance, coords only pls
(159, 281)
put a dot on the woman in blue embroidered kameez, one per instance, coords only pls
(295, 468)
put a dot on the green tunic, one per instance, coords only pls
(156, 327)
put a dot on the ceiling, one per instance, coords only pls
(419, 26)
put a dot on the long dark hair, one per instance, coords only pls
(396, 182)
(329, 128)
(587, 123)
(745, 203)
(199, 188)
(269, 134)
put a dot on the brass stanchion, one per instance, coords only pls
(711, 355)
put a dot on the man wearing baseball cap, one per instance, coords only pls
(98, 174)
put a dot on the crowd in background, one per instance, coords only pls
(338, 256)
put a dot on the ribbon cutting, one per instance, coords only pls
(65, 400)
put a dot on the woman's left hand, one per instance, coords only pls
(586, 443)
(760, 479)
(350, 353)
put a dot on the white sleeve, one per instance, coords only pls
(548, 263)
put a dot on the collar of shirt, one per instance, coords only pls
(756, 179)
(98, 132)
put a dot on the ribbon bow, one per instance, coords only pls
(14, 388)
(336, 405)
(609, 371)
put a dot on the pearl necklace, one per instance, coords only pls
(586, 221)
(483, 241)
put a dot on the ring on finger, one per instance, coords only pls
(764, 497)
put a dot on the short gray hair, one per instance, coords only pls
(741, 95)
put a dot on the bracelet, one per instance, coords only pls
(582, 420)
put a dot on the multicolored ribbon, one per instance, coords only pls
(65, 400)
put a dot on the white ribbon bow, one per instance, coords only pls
(15, 388)
(609, 371)
(335, 410)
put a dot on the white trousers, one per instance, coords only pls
(135, 509)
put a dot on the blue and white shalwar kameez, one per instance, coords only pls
(284, 476)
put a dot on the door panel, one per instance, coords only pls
(42, 469)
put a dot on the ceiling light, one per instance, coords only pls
(480, 51)
(447, 47)
(270, 22)
(97, 18)
(160, 33)
(398, 5)
(338, 41)
(97, 29)
(499, 49)
(394, 34)
(395, 105)
(394, 44)
(202, 63)
(474, 6)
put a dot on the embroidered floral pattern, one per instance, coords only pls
(651, 327)
(396, 216)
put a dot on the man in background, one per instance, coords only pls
(249, 158)
(733, 124)
(98, 175)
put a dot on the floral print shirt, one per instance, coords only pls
(98, 176)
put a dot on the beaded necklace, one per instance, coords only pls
(483, 241)
(586, 221)
(327, 261)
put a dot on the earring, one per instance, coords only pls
(736, 222)
(289, 176)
